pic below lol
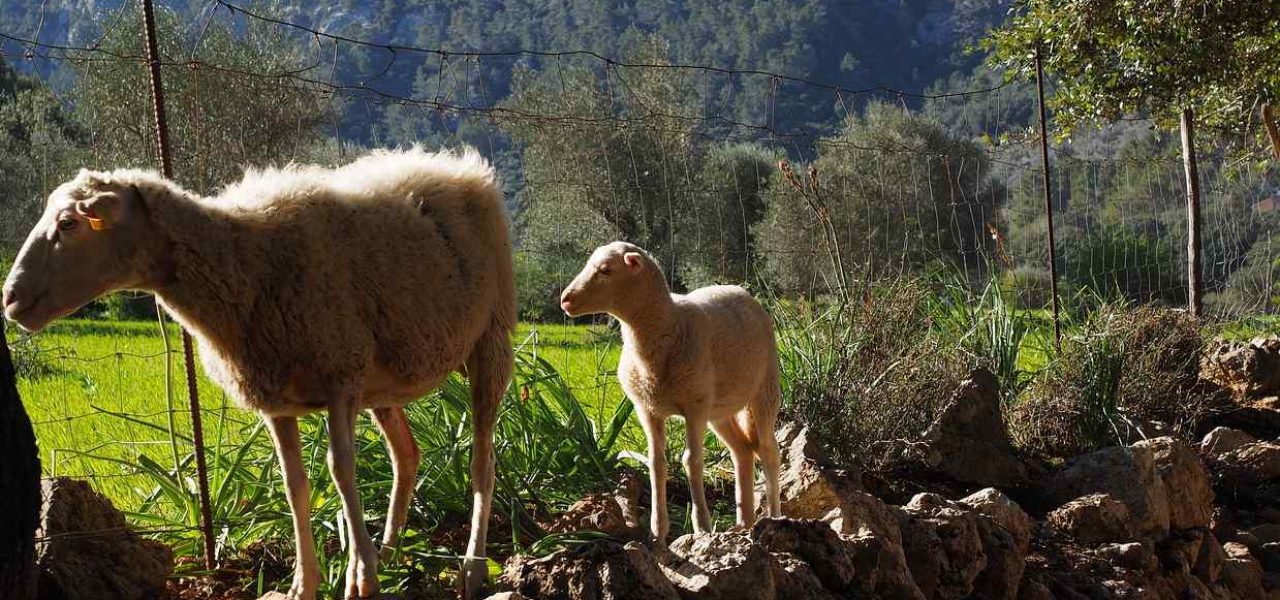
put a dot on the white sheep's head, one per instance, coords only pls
(606, 280)
(86, 244)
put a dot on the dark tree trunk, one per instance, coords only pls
(19, 487)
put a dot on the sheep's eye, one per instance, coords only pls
(605, 270)
(67, 224)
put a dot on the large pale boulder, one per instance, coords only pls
(810, 486)
(1186, 482)
(88, 552)
(720, 566)
(1124, 474)
(597, 570)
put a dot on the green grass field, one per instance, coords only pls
(96, 391)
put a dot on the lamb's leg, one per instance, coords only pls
(306, 569)
(695, 439)
(771, 463)
(405, 458)
(655, 430)
(362, 565)
(489, 371)
(744, 463)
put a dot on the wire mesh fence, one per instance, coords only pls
(879, 185)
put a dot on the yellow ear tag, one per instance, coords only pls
(96, 224)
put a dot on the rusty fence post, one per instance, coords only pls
(193, 394)
(1048, 202)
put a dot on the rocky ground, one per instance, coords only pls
(960, 514)
(957, 514)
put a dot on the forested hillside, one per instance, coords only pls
(657, 122)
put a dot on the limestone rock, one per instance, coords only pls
(794, 578)
(1252, 463)
(830, 558)
(714, 566)
(598, 512)
(1224, 439)
(1249, 369)
(1186, 482)
(969, 441)
(1125, 474)
(1241, 572)
(89, 552)
(1004, 511)
(809, 485)
(1093, 519)
(597, 570)
(1135, 556)
(871, 527)
(960, 553)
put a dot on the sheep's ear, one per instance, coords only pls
(632, 260)
(104, 211)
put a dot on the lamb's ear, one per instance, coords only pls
(632, 260)
(105, 211)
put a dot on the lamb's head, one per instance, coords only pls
(611, 277)
(88, 242)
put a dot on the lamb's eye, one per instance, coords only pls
(67, 224)
(605, 270)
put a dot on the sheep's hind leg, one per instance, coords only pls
(362, 565)
(489, 371)
(744, 463)
(694, 451)
(306, 572)
(771, 463)
(405, 458)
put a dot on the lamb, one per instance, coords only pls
(709, 356)
(309, 289)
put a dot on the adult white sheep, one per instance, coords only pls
(709, 356)
(308, 289)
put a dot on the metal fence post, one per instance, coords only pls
(1048, 202)
(193, 394)
(1194, 282)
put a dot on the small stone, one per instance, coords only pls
(1224, 439)
(1093, 519)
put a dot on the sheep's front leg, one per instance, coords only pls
(405, 458)
(695, 435)
(306, 570)
(362, 567)
(655, 430)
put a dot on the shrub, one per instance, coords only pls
(1124, 368)
(864, 373)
